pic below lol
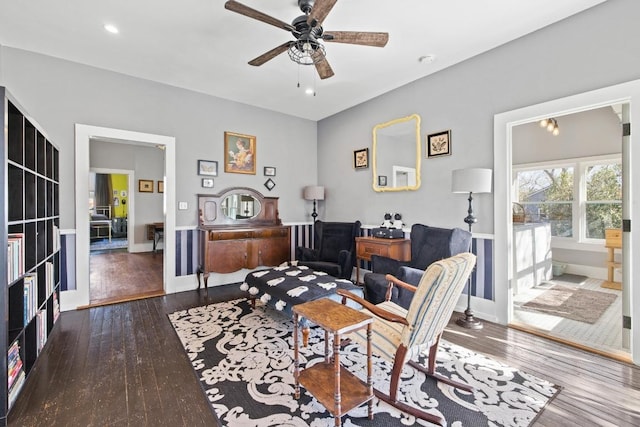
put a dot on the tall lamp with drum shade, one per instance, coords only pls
(474, 180)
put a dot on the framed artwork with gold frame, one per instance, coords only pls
(239, 153)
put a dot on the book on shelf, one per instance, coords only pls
(49, 277)
(30, 296)
(56, 238)
(15, 371)
(15, 256)
(41, 329)
(56, 307)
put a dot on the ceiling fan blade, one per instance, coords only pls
(270, 55)
(234, 6)
(319, 12)
(324, 69)
(357, 37)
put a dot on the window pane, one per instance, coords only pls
(601, 216)
(547, 196)
(604, 182)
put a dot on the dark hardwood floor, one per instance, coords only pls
(123, 364)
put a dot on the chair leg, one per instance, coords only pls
(431, 369)
(392, 399)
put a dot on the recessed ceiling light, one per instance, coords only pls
(111, 28)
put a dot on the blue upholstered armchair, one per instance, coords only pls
(428, 245)
(334, 249)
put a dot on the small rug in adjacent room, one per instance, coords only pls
(570, 302)
(244, 360)
(106, 245)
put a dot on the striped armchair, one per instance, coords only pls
(399, 334)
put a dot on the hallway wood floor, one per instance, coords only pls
(117, 275)
(123, 364)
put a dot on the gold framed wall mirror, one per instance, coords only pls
(397, 154)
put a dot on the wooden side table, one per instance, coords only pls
(334, 386)
(399, 249)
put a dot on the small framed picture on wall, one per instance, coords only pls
(207, 182)
(439, 144)
(361, 158)
(145, 186)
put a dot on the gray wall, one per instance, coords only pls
(594, 49)
(589, 133)
(58, 94)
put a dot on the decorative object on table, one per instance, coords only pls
(208, 167)
(361, 158)
(269, 171)
(207, 182)
(145, 186)
(473, 180)
(439, 144)
(382, 180)
(270, 184)
(315, 193)
(397, 221)
(387, 220)
(240, 153)
(250, 396)
(160, 186)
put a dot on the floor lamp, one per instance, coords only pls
(315, 193)
(475, 180)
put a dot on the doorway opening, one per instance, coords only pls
(162, 195)
(567, 196)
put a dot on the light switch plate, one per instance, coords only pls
(183, 206)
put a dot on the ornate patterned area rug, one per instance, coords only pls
(244, 360)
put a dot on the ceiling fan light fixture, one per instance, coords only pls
(306, 52)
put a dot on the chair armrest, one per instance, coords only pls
(391, 317)
(306, 254)
(395, 281)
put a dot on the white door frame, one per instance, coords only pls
(72, 299)
(503, 124)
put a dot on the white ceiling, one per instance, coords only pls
(201, 46)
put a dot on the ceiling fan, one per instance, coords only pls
(307, 29)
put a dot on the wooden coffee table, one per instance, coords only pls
(334, 386)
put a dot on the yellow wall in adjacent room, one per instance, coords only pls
(119, 183)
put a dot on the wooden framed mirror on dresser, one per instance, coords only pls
(239, 228)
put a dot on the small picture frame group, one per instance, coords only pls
(361, 158)
(269, 171)
(207, 168)
(145, 186)
(439, 144)
(207, 182)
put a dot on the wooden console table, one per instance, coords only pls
(327, 380)
(613, 241)
(399, 249)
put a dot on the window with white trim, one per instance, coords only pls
(578, 198)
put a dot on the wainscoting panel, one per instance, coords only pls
(482, 285)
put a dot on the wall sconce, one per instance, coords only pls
(551, 125)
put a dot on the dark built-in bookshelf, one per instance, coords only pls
(30, 244)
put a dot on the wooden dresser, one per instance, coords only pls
(240, 228)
